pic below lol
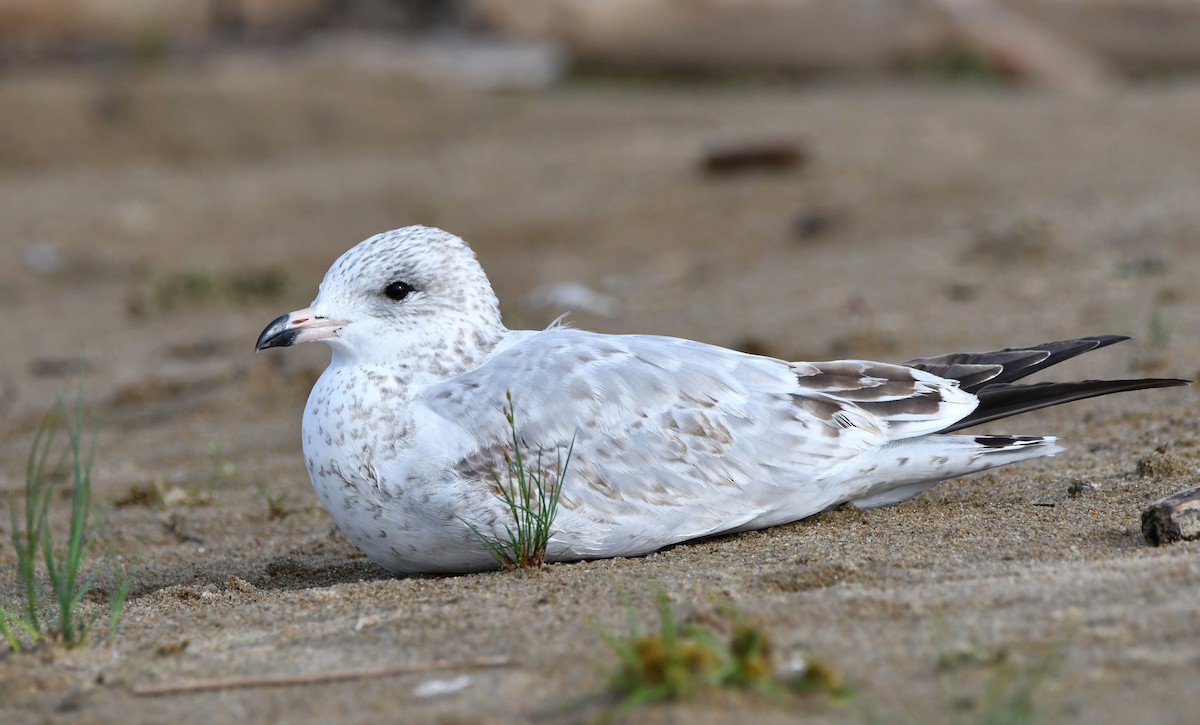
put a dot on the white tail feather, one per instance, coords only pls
(908, 467)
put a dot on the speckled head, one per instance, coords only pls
(414, 292)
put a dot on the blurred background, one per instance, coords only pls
(802, 178)
(808, 179)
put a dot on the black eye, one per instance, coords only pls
(399, 290)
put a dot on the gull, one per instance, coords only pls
(663, 439)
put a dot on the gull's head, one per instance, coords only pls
(408, 292)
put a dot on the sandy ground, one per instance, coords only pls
(152, 222)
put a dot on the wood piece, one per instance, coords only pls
(753, 156)
(316, 678)
(1174, 518)
(1022, 47)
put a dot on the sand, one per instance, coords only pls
(172, 213)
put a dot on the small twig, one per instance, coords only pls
(317, 678)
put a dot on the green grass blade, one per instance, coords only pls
(26, 546)
(63, 569)
(531, 504)
(80, 500)
(37, 505)
(6, 630)
(666, 621)
(118, 597)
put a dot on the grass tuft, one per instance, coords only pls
(1011, 697)
(55, 617)
(683, 659)
(1001, 685)
(195, 288)
(672, 664)
(277, 508)
(531, 496)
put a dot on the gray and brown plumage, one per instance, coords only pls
(670, 439)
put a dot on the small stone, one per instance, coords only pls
(42, 259)
(367, 620)
(442, 686)
(814, 223)
(575, 297)
(1161, 464)
(173, 647)
(237, 584)
(1080, 489)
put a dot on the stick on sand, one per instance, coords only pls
(241, 683)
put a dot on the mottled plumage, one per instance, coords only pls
(670, 439)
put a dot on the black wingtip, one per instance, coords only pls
(1008, 399)
(992, 376)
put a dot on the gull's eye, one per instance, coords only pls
(399, 290)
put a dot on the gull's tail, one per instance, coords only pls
(915, 464)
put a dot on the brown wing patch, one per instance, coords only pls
(833, 413)
(923, 404)
(695, 424)
(601, 486)
(494, 466)
(856, 393)
(856, 380)
(820, 408)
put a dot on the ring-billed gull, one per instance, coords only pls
(669, 439)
